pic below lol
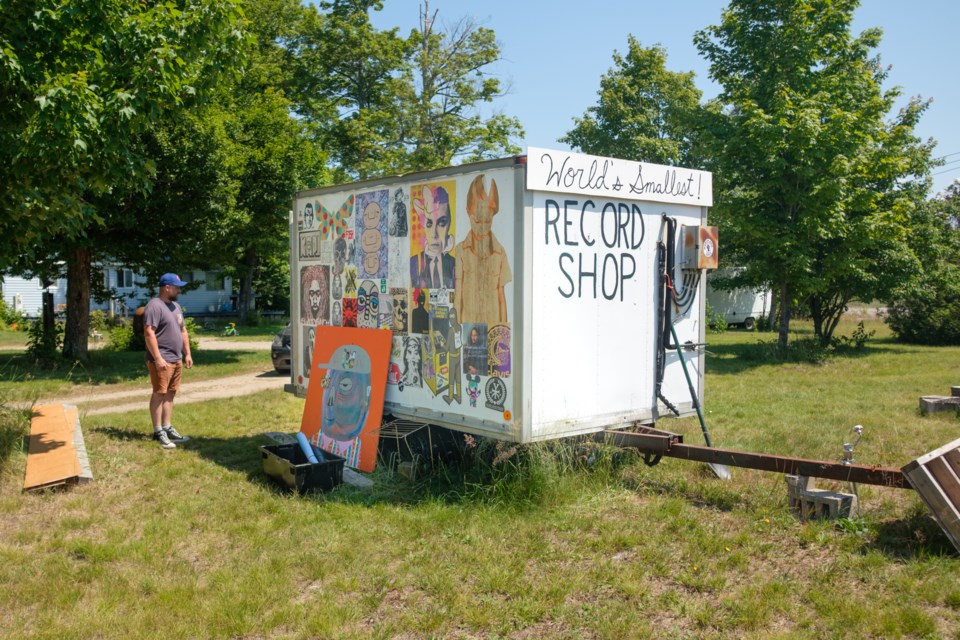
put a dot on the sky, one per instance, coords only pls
(554, 53)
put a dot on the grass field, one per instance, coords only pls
(197, 543)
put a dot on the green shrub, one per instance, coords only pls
(929, 314)
(854, 342)
(122, 338)
(715, 320)
(44, 345)
(10, 318)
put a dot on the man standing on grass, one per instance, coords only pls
(168, 351)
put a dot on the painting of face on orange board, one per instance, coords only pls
(433, 235)
(342, 413)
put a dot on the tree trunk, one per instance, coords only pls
(784, 335)
(49, 319)
(245, 303)
(78, 304)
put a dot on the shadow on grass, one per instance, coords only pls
(737, 358)
(916, 536)
(103, 367)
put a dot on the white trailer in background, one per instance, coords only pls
(743, 306)
(529, 297)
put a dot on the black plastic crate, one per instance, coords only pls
(287, 464)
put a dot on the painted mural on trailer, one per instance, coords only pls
(426, 261)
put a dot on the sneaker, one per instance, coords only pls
(161, 437)
(174, 435)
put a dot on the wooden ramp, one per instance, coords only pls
(936, 477)
(57, 454)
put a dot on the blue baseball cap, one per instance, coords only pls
(171, 278)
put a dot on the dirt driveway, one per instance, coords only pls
(97, 402)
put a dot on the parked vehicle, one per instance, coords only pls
(739, 306)
(280, 350)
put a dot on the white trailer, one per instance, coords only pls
(743, 306)
(530, 297)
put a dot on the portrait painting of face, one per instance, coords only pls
(412, 371)
(400, 312)
(309, 339)
(371, 234)
(433, 220)
(349, 312)
(345, 405)
(315, 294)
(339, 255)
(368, 305)
(307, 217)
(337, 319)
(432, 235)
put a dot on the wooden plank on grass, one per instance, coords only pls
(52, 457)
(935, 479)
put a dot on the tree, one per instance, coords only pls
(644, 112)
(816, 188)
(445, 82)
(383, 104)
(927, 310)
(80, 83)
(345, 83)
(231, 165)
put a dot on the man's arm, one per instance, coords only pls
(187, 358)
(150, 337)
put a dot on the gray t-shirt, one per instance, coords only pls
(166, 318)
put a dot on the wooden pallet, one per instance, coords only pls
(57, 454)
(936, 477)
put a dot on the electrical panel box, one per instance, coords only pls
(699, 248)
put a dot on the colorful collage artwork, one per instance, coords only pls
(424, 261)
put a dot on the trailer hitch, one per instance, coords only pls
(659, 443)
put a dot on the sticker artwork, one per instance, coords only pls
(309, 340)
(475, 348)
(315, 294)
(335, 223)
(399, 311)
(306, 218)
(398, 214)
(498, 351)
(411, 362)
(368, 305)
(483, 269)
(432, 236)
(372, 233)
(349, 313)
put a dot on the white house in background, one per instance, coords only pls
(213, 296)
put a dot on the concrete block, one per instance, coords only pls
(935, 404)
(810, 503)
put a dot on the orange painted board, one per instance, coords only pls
(348, 374)
(51, 458)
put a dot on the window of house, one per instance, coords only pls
(124, 279)
(214, 280)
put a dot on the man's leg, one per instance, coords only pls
(166, 405)
(159, 380)
(166, 408)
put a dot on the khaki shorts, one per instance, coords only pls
(166, 380)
